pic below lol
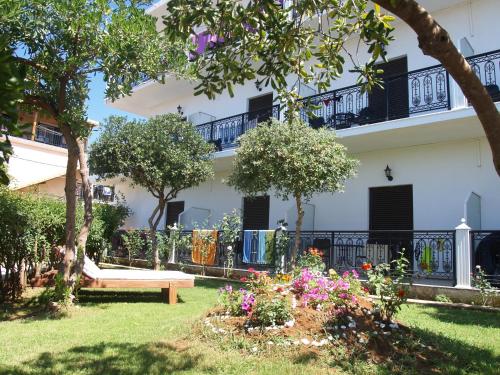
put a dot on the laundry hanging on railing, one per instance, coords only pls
(204, 244)
(258, 246)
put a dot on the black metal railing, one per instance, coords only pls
(49, 136)
(418, 91)
(224, 133)
(487, 67)
(431, 253)
(485, 252)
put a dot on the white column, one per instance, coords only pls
(463, 255)
(171, 258)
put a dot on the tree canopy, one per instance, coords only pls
(11, 86)
(271, 41)
(163, 154)
(293, 160)
(63, 44)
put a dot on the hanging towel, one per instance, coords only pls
(250, 246)
(204, 253)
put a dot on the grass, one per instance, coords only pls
(133, 332)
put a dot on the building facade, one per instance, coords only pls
(424, 160)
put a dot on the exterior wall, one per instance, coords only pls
(34, 162)
(443, 175)
(474, 20)
(53, 187)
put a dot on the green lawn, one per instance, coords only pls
(132, 332)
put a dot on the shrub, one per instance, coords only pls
(312, 259)
(443, 298)
(30, 226)
(229, 229)
(480, 281)
(107, 220)
(134, 243)
(390, 290)
(270, 311)
(232, 300)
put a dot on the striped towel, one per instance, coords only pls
(258, 246)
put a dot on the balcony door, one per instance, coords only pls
(391, 210)
(259, 108)
(256, 213)
(391, 101)
(174, 209)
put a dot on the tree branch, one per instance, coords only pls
(31, 63)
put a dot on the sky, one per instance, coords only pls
(97, 108)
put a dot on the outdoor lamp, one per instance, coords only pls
(388, 172)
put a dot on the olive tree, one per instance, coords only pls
(267, 41)
(294, 160)
(163, 154)
(63, 44)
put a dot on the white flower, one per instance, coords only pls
(305, 341)
(230, 248)
(290, 323)
(254, 349)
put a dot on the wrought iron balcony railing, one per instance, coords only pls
(49, 136)
(418, 91)
(224, 133)
(487, 67)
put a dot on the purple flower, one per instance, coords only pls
(355, 274)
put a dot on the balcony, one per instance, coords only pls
(224, 133)
(417, 92)
(50, 136)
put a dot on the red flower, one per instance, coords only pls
(243, 279)
(365, 289)
(366, 266)
(251, 270)
(401, 293)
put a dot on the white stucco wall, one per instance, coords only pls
(475, 20)
(33, 162)
(442, 175)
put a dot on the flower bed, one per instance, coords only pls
(315, 312)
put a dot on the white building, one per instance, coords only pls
(421, 126)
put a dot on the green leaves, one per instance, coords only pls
(290, 159)
(266, 42)
(163, 154)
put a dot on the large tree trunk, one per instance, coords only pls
(154, 221)
(70, 193)
(298, 228)
(435, 41)
(87, 202)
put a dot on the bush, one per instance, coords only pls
(31, 226)
(312, 259)
(107, 220)
(270, 312)
(388, 285)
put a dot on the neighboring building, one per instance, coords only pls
(420, 126)
(38, 163)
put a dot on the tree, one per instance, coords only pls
(62, 44)
(292, 159)
(11, 87)
(164, 154)
(267, 42)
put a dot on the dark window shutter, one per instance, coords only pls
(260, 108)
(174, 209)
(391, 208)
(392, 101)
(256, 213)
